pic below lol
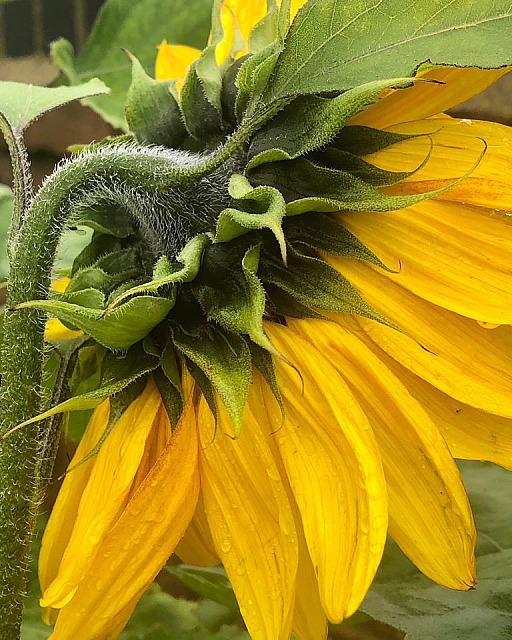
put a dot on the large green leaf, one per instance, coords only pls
(405, 599)
(333, 46)
(21, 103)
(138, 26)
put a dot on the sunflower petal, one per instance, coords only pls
(426, 99)
(429, 513)
(60, 526)
(173, 60)
(309, 619)
(469, 433)
(139, 543)
(451, 254)
(452, 147)
(197, 547)
(334, 469)
(110, 477)
(455, 354)
(251, 522)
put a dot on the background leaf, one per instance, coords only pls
(22, 103)
(138, 26)
(333, 46)
(402, 597)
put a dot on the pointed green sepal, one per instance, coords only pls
(120, 329)
(310, 122)
(239, 307)
(118, 373)
(166, 273)
(314, 283)
(224, 358)
(151, 110)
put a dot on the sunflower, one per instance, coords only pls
(349, 430)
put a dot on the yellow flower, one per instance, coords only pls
(237, 16)
(297, 509)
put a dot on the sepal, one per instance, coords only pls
(117, 375)
(151, 110)
(230, 292)
(222, 356)
(310, 122)
(120, 329)
(269, 209)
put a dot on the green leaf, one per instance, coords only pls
(152, 112)
(310, 122)
(21, 104)
(138, 26)
(160, 616)
(121, 328)
(118, 374)
(334, 46)
(208, 582)
(405, 599)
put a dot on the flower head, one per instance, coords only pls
(324, 357)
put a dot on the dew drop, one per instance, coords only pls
(226, 545)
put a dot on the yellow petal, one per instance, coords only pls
(251, 522)
(309, 619)
(54, 329)
(455, 354)
(61, 284)
(110, 479)
(334, 469)
(197, 547)
(138, 544)
(60, 525)
(456, 145)
(469, 433)
(173, 60)
(451, 254)
(429, 513)
(426, 99)
(295, 5)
